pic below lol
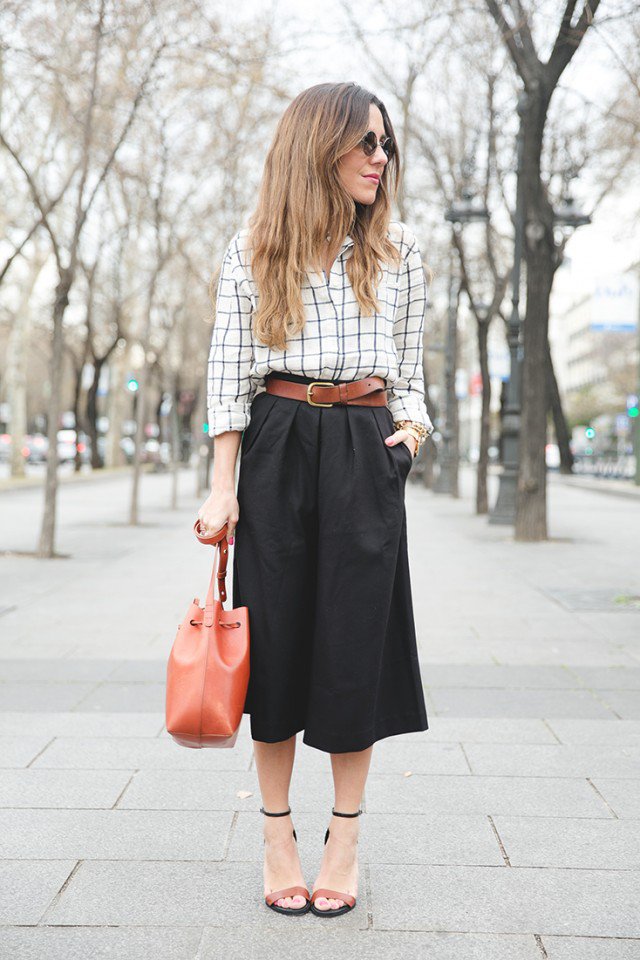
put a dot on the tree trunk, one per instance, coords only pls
(75, 406)
(539, 251)
(16, 366)
(482, 500)
(46, 546)
(175, 439)
(117, 399)
(559, 419)
(92, 413)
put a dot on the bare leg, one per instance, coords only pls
(339, 868)
(274, 763)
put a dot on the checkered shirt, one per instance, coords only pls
(336, 343)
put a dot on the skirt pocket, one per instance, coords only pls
(262, 405)
(384, 422)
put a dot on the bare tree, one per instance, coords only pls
(540, 80)
(65, 244)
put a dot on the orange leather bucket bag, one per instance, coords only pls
(208, 667)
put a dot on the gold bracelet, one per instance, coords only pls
(415, 429)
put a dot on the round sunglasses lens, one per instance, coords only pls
(369, 143)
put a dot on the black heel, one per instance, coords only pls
(349, 901)
(289, 891)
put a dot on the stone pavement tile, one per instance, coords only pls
(127, 697)
(519, 676)
(68, 724)
(141, 671)
(390, 756)
(514, 650)
(55, 670)
(129, 753)
(31, 649)
(619, 625)
(614, 732)
(591, 948)
(500, 625)
(608, 678)
(35, 697)
(113, 834)
(622, 795)
(120, 647)
(217, 790)
(100, 943)
(625, 703)
(175, 894)
(486, 702)
(561, 842)
(485, 730)
(18, 751)
(329, 942)
(598, 903)
(559, 760)
(450, 650)
(384, 838)
(71, 789)
(27, 887)
(523, 796)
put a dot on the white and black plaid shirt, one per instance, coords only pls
(336, 343)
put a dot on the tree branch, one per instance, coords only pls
(568, 40)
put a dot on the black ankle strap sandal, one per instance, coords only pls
(271, 898)
(349, 900)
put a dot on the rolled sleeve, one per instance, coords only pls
(230, 384)
(406, 397)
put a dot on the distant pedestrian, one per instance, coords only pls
(315, 373)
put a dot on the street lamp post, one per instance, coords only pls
(447, 480)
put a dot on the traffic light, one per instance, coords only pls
(132, 385)
(632, 406)
(589, 433)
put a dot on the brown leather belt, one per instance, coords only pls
(369, 391)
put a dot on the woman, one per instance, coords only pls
(322, 288)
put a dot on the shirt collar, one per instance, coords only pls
(347, 242)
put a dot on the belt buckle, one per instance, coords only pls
(318, 383)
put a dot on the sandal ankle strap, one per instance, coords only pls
(267, 814)
(336, 813)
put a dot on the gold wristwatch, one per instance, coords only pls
(416, 429)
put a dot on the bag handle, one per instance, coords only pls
(219, 539)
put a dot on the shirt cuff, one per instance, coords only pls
(229, 416)
(409, 408)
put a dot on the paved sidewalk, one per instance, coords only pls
(510, 830)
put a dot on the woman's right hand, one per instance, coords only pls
(220, 507)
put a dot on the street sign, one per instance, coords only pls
(614, 303)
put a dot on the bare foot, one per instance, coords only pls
(339, 868)
(281, 861)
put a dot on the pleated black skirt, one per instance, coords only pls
(320, 560)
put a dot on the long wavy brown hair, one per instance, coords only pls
(302, 199)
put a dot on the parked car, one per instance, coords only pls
(67, 441)
(34, 447)
(152, 451)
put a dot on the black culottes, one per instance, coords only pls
(320, 560)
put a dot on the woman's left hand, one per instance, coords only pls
(401, 436)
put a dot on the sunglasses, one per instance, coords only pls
(370, 142)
